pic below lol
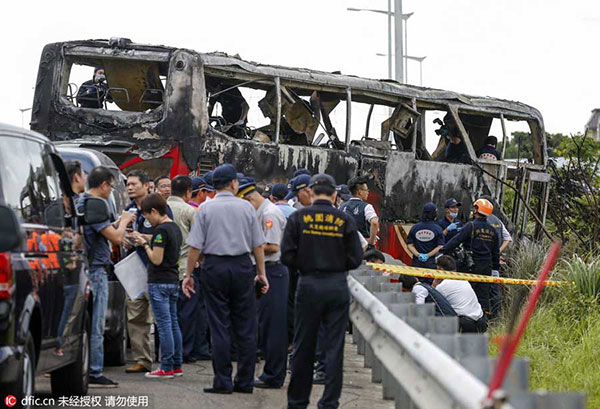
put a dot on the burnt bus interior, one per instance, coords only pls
(133, 86)
(159, 96)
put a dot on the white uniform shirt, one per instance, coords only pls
(420, 293)
(272, 222)
(461, 297)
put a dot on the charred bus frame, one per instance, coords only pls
(174, 124)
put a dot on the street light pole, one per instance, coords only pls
(399, 41)
(420, 60)
(389, 16)
(23, 110)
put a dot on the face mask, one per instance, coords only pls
(453, 215)
(99, 78)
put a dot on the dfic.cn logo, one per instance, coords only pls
(10, 401)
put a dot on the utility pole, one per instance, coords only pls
(399, 41)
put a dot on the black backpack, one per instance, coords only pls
(442, 306)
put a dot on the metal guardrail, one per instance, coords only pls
(430, 377)
(421, 360)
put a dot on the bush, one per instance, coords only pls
(585, 275)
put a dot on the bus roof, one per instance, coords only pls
(367, 87)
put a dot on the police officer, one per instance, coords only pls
(272, 308)
(343, 195)
(299, 193)
(363, 213)
(224, 232)
(278, 193)
(321, 242)
(450, 223)
(425, 240)
(481, 239)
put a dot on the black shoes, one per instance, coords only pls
(219, 391)
(189, 359)
(240, 390)
(259, 383)
(101, 382)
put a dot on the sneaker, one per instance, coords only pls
(159, 373)
(58, 352)
(101, 382)
(178, 372)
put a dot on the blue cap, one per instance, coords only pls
(197, 184)
(291, 183)
(322, 179)
(279, 191)
(299, 182)
(247, 185)
(224, 174)
(429, 208)
(302, 171)
(208, 177)
(452, 202)
(344, 192)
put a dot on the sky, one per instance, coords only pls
(538, 52)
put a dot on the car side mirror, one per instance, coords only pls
(10, 229)
(95, 210)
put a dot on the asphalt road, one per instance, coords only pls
(186, 392)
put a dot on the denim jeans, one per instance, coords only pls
(70, 293)
(163, 298)
(99, 288)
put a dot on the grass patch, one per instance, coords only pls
(562, 340)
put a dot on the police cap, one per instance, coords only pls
(279, 191)
(224, 174)
(299, 182)
(197, 184)
(452, 203)
(302, 171)
(247, 185)
(322, 179)
(344, 192)
(208, 177)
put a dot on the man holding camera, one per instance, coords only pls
(92, 93)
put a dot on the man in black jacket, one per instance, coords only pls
(480, 239)
(92, 93)
(321, 242)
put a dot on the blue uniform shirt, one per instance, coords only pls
(143, 226)
(226, 226)
(425, 236)
(91, 233)
(285, 208)
(444, 223)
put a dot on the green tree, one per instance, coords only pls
(520, 145)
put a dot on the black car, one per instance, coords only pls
(44, 291)
(115, 330)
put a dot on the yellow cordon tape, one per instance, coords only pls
(451, 275)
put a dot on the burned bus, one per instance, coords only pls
(175, 111)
